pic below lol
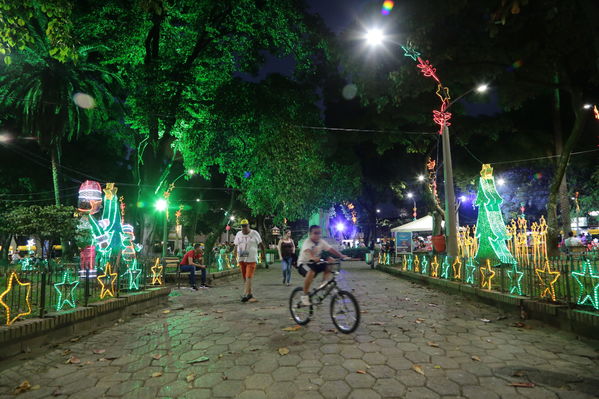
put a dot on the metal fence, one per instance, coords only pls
(50, 288)
(566, 280)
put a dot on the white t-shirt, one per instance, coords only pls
(573, 242)
(247, 246)
(314, 250)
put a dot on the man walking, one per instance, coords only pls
(246, 243)
(192, 260)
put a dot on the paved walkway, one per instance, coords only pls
(413, 342)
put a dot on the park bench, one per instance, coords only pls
(171, 266)
(577, 252)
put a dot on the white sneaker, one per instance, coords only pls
(305, 300)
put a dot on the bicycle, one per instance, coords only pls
(344, 308)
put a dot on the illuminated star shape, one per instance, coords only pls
(66, 291)
(133, 273)
(547, 279)
(587, 292)
(157, 273)
(410, 51)
(110, 191)
(470, 268)
(416, 264)
(487, 275)
(424, 267)
(107, 281)
(457, 268)
(445, 268)
(515, 277)
(435, 267)
(8, 309)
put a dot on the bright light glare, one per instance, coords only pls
(420, 178)
(410, 195)
(374, 37)
(587, 106)
(191, 172)
(594, 213)
(500, 181)
(378, 211)
(340, 226)
(482, 88)
(463, 198)
(197, 200)
(232, 218)
(5, 137)
(161, 205)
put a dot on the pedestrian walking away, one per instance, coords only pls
(286, 249)
(191, 262)
(246, 243)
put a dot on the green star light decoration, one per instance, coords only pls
(133, 273)
(410, 51)
(424, 266)
(587, 292)
(67, 290)
(515, 276)
(470, 269)
(445, 268)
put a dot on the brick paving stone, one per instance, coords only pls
(242, 342)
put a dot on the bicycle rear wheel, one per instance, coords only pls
(300, 313)
(345, 312)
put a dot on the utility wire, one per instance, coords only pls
(342, 129)
(547, 157)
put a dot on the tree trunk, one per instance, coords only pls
(4, 252)
(562, 164)
(55, 162)
(564, 198)
(216, 232)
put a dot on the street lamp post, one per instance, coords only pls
(162, 206)
(414, 210)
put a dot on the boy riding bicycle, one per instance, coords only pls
(309, 260)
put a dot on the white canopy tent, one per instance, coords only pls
(422, 224)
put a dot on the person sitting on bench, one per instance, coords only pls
(192, 261)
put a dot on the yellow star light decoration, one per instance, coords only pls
(435, 267)
(11, 280)
(547, 280)
(107, 281)
(157, 273)
(487, 275)
(457, 268)
(110, 191)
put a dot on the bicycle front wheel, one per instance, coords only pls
(345, 312)
(299, 312)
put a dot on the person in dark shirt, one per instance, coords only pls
(191, 261)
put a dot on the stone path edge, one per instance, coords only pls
(28, 334)
(578, 321)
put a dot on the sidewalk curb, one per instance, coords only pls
(33, 333)
(560, 316)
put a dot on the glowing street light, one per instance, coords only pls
(161, 205)
(197, 200)
(463, 198)
(500, 181)
(411, 196)
(587, 106)
(374, 37)
(482, 88)
(378, 211)
(232, 218)
(420, 177)
(191, 172)
(340, 226)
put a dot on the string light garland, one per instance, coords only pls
(487, 275)
(435, 267)
(470, 269)
(457, 268)
(515, 276)
(67, 291)
(445, 268)
(490, 227)
(587, 292)
(157, 273)
(107, 281)
(547, 280)
(8, 310)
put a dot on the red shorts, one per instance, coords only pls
(247, 269)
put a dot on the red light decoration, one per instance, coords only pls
(441, 118)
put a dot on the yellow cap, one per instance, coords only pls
(244, 221)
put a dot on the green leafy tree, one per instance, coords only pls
(43, 92)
